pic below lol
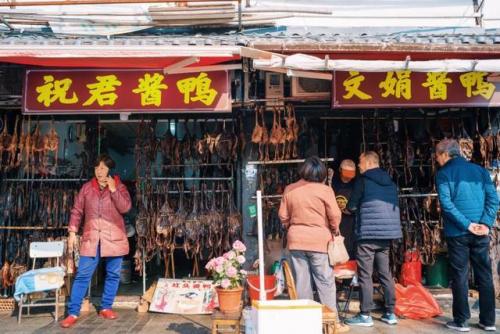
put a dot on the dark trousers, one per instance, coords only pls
(370, 252)
(347, 231)
(460, 251)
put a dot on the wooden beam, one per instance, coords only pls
(211, 68)
(258, 54)
(296, 73)
(180, 64)
(164, 9)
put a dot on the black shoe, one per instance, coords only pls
(458, 326)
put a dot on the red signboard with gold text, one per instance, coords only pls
(121, 90)
(405, 88)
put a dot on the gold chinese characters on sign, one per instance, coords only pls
(399, 85)
(104, 90)
(402, 88)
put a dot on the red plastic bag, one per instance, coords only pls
(411, 270)
(415, 302)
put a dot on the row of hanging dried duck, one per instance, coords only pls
(40, 205)
(283, 136)
(203, 146)
(203, 222)
(407, 149)
(27, 149)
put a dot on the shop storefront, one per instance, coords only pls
(195, 131)
(175, 141)
(397, 108)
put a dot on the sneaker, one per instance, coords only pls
(360, 320)
(389, 318)
(487, 328)
(459, 327)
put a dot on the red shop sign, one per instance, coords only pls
(122, 90)
(413, 89)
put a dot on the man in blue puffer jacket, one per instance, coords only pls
(375, 201)
(469, 205)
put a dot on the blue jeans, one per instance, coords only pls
(307, 265)
(460, 251)
(84, 274)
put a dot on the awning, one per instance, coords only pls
(302, 62)
(126, 56)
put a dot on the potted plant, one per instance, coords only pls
(227, 275)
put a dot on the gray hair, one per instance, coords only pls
(371, 156)
(348, 164)
(449, 146)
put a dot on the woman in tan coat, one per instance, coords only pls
(311, 216)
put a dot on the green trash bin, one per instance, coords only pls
(437, 274)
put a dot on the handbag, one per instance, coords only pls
(337, 253)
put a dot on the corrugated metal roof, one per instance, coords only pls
(290, 39)
(356, 40)
(121, 40)
(368, 35)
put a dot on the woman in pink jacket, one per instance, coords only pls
(100, 204)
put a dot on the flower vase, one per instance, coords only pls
(229, 299)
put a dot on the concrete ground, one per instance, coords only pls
(132, 322)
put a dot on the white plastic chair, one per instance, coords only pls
(40, 250)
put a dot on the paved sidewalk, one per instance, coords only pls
(133, 322)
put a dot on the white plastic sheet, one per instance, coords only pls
(311, 63)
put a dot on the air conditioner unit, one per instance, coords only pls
(274, 88)
(307, 87)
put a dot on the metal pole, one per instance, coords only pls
(191, 179)
(277, 162)
(89, 2)
(262, 289)
(240, 27)
(44, 180)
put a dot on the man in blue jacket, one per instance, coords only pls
(469, 205)
(375, 201)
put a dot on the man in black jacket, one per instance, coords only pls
(375, 202)
(343, 185)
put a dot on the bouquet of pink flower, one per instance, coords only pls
(226, 270)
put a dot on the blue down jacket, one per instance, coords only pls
(466, 195)
(375, 201)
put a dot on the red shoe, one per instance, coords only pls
(108, 314)
(69, 321)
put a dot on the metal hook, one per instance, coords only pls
(407, 62)
(473, 65)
